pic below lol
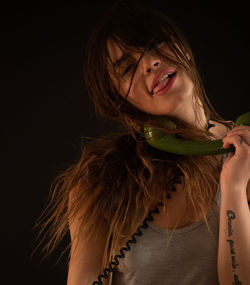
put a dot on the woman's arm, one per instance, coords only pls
(234, 238)
(234, 231)
(248, 192)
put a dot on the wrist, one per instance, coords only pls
(233, 189)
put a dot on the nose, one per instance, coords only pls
(149, 63)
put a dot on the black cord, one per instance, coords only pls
(138, 233)
(127, 247)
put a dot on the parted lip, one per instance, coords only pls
(163, 71)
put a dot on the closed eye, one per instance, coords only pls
(127, 69)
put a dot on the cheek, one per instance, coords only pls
(185, 82)
(138, 93)
(133, 91)
(121, 87)
(125, 89)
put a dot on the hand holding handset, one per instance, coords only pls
(171, 143)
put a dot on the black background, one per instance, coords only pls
(45, 109)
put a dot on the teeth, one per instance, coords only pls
(163, 77)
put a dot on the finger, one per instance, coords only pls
(239, 128)
(245, 135)
(239, 132)
(228, 138)
(235, 140)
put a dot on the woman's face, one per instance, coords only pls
(173, 95)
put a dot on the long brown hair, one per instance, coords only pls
(120, 176)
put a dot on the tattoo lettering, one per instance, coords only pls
(231, 215)
(231, 243)
(236, 280)
(234, 264)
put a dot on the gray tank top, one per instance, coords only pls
(188, 257)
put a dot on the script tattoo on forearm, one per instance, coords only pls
(231, 215)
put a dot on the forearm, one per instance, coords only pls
(234, 238)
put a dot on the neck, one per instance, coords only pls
(187, 113)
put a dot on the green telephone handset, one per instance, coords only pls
(171, 143)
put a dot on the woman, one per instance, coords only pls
(139, 69)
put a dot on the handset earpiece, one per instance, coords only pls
(171, 143)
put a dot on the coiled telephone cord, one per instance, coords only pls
(127, 247)
(133, 240)
(138, 232)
